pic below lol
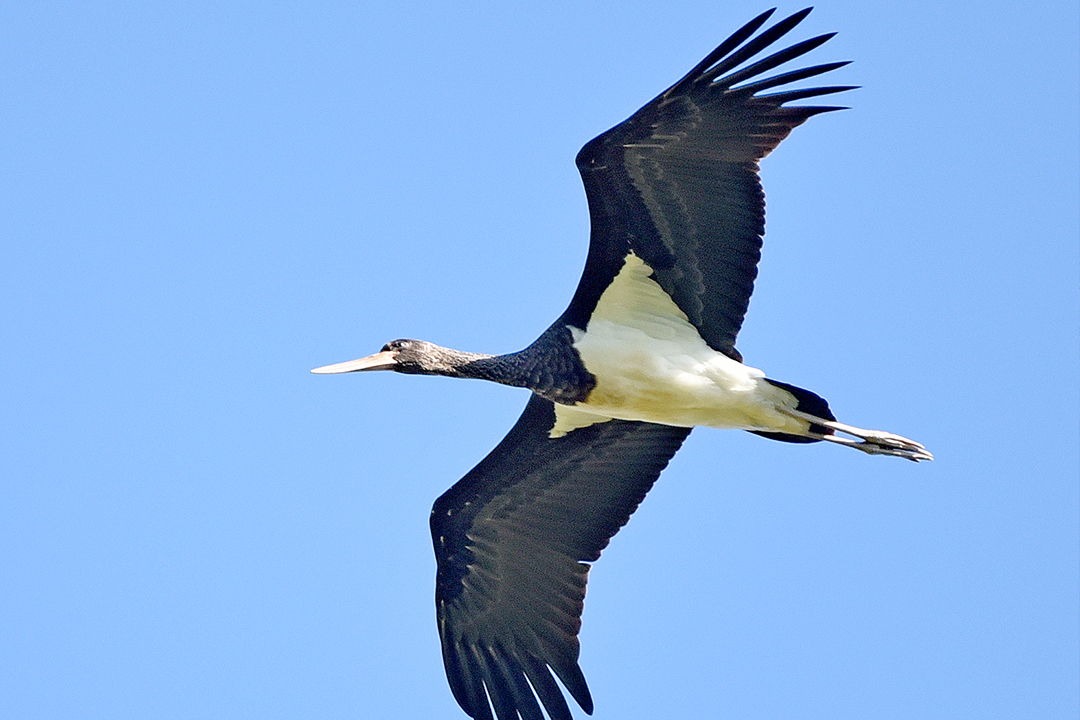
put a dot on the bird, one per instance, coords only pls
(644, 352)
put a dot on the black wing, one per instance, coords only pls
(677, 183)
(511, 539)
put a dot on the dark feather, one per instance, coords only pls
(512, 539)
(677, 183)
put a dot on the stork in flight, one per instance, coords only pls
(644, 352)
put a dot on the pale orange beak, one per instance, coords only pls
(379, 361)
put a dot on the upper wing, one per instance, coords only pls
(677, 183)
(511, 538)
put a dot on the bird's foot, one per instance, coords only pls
(872, 442)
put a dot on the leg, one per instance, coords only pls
(874, 442)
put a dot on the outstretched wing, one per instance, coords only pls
(512, 539)
(677, 183)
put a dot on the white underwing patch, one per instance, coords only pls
(652, 365)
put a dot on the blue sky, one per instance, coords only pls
(203, 201)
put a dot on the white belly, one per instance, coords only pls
(651, 364)
(675, 382)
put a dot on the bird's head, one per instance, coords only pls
(413, 357)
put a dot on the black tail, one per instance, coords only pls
(808, 403)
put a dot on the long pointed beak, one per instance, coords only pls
(379, 361)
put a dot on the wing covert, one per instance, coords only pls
(511, 539)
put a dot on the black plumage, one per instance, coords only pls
(678, 183)
(674, 192)
(511, 578)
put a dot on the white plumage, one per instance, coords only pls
(652, 365)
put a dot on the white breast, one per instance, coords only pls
(651, 365)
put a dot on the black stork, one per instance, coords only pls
(645, 352)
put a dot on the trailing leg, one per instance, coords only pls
(874, 442)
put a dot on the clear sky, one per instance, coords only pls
(202, 201)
